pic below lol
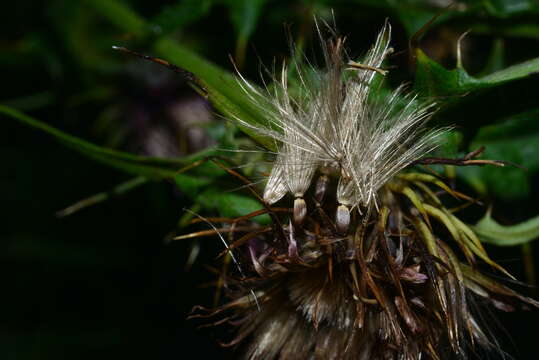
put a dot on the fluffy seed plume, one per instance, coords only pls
(341, 125)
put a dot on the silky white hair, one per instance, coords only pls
(342, 124)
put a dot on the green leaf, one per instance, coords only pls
(512, 73)
(515, 139)
(413, 14)
(244, 15)
(153, 168)
(224, 90)
(521, 30)
(492, 232)
(232, 205)
(192, 185)
(433, 80)
(506, 8)
(228, 204)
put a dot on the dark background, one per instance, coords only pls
(104, 282)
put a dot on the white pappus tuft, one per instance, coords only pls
(340, 125)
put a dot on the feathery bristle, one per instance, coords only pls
(340, 125)
(275, 187)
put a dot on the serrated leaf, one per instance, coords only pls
(433, 80)
(491, 232)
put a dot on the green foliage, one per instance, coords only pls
(433, 80)
(59, 68)
(513, 139)
(231, 204)
(244, 15)
(516, 140)
(222, 88)
(492, 232)
(415, 13)
(200, 184)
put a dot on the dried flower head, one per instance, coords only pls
(367, 262)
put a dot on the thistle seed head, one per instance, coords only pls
(373, 265)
